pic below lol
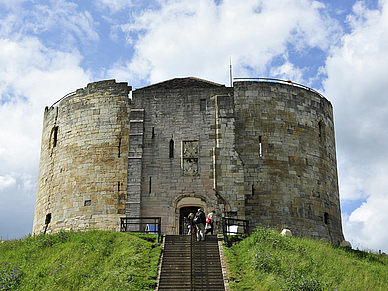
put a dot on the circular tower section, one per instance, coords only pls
(285, 139)
(84, 160)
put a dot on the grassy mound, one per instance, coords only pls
(91, 260)
(268, 261)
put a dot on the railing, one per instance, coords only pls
(233, 226)
(141, 224)
(191, 256)
(288, 82)
(67, 95)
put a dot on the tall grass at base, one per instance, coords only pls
(268, 261)
(91, 260)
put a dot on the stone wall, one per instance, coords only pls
(173, 118)
(228, 166)
(285, 138)
(83, 165)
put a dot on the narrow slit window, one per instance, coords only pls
(47, 221)
(260, 147)
(321, 130)
(203, 105)
(119, 147)
(55, 136)
(253, 190)
(149, 188)
(48, 218)
(171, 154)
(118, 186)
(326, 218)
(153, 132)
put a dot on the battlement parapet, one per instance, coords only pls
(110, 86)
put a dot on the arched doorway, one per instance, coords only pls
(184, 205)
(183, 220)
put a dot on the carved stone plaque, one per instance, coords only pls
(190, 157)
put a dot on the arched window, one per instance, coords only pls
(171, 155)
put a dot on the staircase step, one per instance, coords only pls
(176, 270)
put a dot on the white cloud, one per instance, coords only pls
(28, 184)
(14, 4)
(6, 181)
(356, 73)
(352, 180)
(114, 5)
(59, 16)
(32, 77)
(367, 225)
(3, 152)
(288, 71)
(64, 15)
(198, 37)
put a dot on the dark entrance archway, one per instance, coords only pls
(183, 220)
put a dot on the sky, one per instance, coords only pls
(51, 48)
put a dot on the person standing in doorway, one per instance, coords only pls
(210, 222)
(191, 226)
(199, 221)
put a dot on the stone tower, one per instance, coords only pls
(262, 151)
(84, 160)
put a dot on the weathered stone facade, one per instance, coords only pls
(262, 151)
(82, 177)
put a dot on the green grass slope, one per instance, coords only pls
(268, 261)
(92, 260)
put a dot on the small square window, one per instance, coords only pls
(87, 202)
(203, 105)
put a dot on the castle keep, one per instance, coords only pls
(263, 151)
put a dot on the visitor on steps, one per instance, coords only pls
(191, 226)
(209, 222)
(199, 221)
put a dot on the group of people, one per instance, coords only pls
(200, 224)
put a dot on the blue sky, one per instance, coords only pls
(51, 48)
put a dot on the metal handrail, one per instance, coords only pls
(141, 224)
(228, 222)
(67, 95)
(191, 256)
(287, 82)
